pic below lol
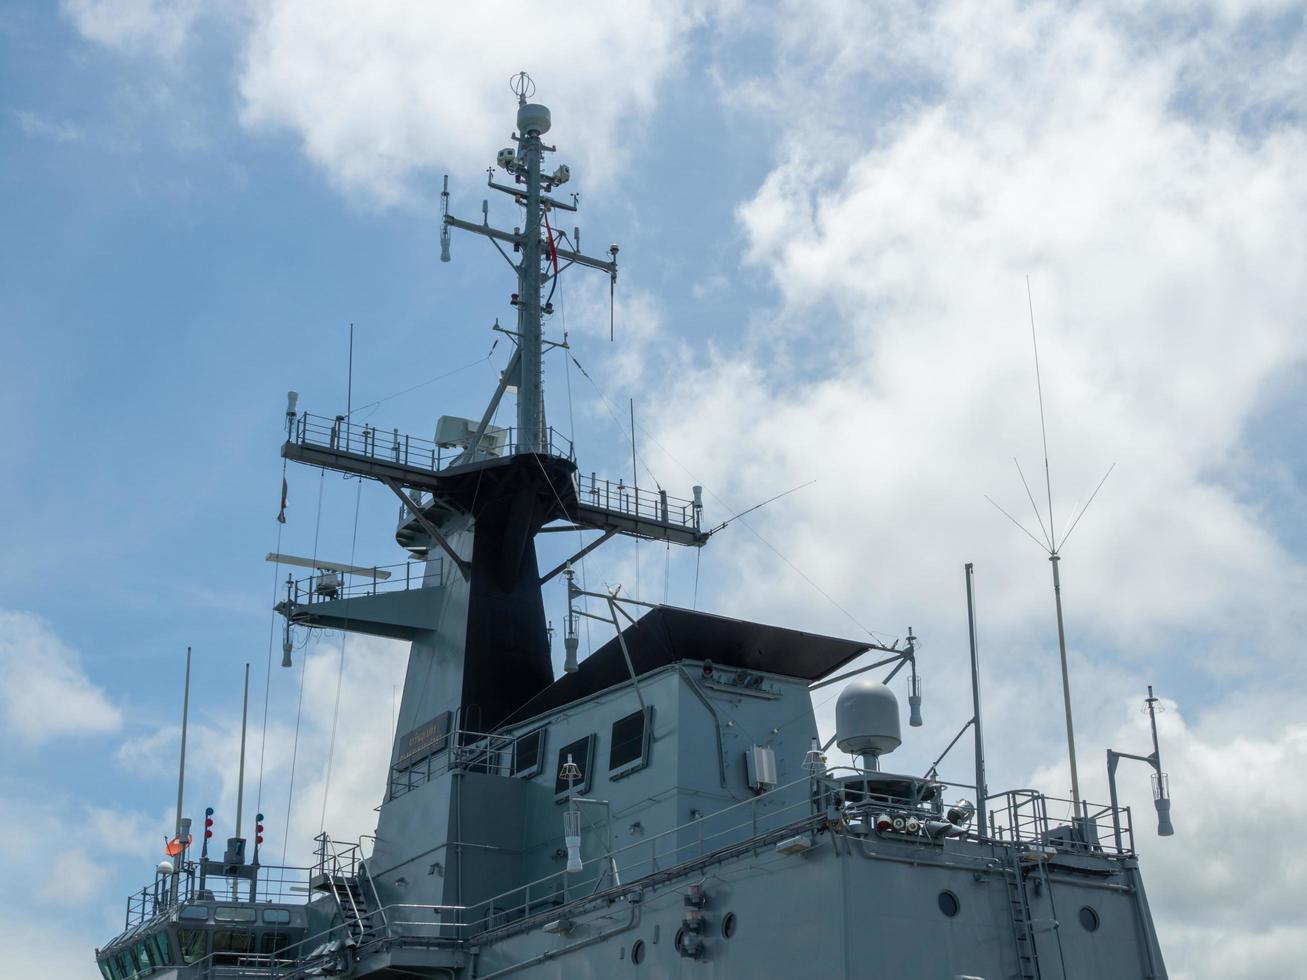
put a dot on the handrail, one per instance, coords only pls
(1021, 819)
(340, 435)
(331, 586)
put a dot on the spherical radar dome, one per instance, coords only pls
(867, 719)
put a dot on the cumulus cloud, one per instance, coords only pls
(159, 27)
(382, 94)
(919, 178)
(44, 692)
(294, 774)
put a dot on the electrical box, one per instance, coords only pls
(760, 764)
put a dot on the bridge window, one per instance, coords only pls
(234, 913)
(272, 943)
(199, 913)
(629, 748)
(193, 944)
(230, 944)
(582, 753)
(104, 969)
(163, 949)
(529, 754)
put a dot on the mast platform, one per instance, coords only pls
(431, 468)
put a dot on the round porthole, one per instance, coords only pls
(728, 925)
(948, 903)
(637, 952)
(1089, 919)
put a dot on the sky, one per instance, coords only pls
(835, 221)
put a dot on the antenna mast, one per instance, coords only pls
(1053, 546)
(181, 773)
(525, 164)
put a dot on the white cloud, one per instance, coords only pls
(382, 94)
(373, 669)
(919, 178)
(1212, 882)
(37, 126)
(44, 693)
(157, 27)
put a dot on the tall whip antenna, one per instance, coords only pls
(1053, 547)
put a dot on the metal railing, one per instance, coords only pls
(273, 883)
(463, 750)
(638, 503)
(1022, 816)
(340, 435)
(328, 586)
(803, 807)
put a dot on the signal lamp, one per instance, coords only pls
(258, 829)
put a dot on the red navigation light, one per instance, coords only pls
(258, 829)
(208, 823)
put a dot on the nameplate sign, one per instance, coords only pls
(427, 739)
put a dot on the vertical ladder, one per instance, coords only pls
(1023, 928)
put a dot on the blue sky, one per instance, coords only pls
(827, 219)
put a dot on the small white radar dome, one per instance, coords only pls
(532, 119)
(164, 868)
(867, 719)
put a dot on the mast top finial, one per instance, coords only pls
(522, 86)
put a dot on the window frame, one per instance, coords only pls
(646, 739)
(530, 772)
(586, 763)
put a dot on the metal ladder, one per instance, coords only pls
(1023, 927)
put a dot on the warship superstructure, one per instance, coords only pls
(664, 807)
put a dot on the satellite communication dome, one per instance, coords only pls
(533, 119)
(867, 719)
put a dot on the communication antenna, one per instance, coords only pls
(541, 260)
(1051, 544)
(1161, 782)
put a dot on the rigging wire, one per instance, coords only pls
(880, 637)
(340, 668)
(304, 663)
(629, 436)
(421, 384)
(272, 632)
(571, 435)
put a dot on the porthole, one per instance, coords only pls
(637, 952)
(728, 925)
(1089, 919)
(948, 903)
(680, 938)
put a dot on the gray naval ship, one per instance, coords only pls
(664, 808)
